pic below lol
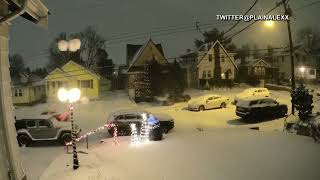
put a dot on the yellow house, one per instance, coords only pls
(73, 75)
(27, 89)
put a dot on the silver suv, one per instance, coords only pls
(42, 129)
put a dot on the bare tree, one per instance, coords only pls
(91, 42)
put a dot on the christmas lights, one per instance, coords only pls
(115, 134)
(144, 132)
(134, 134)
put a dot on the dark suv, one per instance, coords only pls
(124, 118)
(259, 108)
(41, 129)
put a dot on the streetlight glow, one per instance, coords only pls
(62, 95)
(269, 23)
(63, 45)
(72, 95)
(302, 69)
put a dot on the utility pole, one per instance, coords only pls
(288, 11)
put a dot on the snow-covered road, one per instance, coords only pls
(93, 114)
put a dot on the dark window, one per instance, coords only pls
(120, 117)
(312, 72)
(253, 103)
(53, 84)
(86, 84)
(31, 124)
(204, 74)
(282, 58)
(131, 116)
(59, 84)
(222, 58)
(18, 92)
(265, 101)
(48, 86)
(210, 57)
(44, 124)
(209, 74)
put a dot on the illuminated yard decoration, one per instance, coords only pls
(134, 134)
(115, 134)
(144, 132)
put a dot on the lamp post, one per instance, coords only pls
(71, 45)
(72, 96)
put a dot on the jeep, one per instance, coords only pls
(44, 128)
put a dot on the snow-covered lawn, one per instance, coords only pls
(94, 114)
(210, 154)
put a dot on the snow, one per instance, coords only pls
(211, 154)
(90, 115)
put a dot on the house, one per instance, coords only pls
(140, 55)
(302, 58)
(73, 75)
(213, 61)
(27, 89)
(258, 68)
(188, 63)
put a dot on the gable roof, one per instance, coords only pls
(67, 73)
(142, 49)
(213, 45)
(132, 50)
(252, 62)
(31, 80)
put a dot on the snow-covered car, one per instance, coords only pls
(208, 102)
(43, 128)
(252, 92)
(255, 108)
(123, 118)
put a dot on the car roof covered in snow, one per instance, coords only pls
(128, 111)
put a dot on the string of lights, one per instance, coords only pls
(115, 134)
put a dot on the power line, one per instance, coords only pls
(232, 27)
(248, 26)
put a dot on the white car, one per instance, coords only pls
(252, 92)
(208, 102)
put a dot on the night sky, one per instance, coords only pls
(112, 17)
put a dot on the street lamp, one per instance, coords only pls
(72, 96)
(71, 45)
(269, 23)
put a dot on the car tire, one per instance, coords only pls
(201, 108)
(65, 138)
(165, 130)
(223, 105)
(23, 140)
(282, 112)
